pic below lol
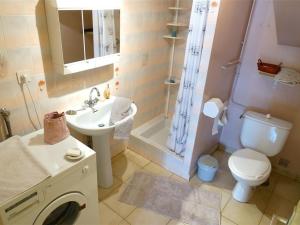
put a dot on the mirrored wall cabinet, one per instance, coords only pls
(83, 34)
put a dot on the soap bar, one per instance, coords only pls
(73, 152)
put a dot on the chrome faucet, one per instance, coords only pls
(92, 101)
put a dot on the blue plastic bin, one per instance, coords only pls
(207, 168)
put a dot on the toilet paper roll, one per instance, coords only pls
(213, 109)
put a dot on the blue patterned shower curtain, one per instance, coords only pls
(181, 119)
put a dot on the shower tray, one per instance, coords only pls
(150, 140)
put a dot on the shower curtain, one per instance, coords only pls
(104, 32)
(181, 119)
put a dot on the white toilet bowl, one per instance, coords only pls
(250, 168)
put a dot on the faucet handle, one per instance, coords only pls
(95, 100)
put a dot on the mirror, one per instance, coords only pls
(88, 34)
(287, 17)
(71, 35)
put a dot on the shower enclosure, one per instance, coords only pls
(164, 139)
(170, 139)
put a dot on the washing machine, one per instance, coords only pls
(68, 196)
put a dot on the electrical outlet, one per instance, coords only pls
(23, 77)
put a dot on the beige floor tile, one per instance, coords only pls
(107, 216)
(136, 158)
(146, 217)
(104, 192)
(113, 212)
(156, 169)
(124, 222)
(273, 179)
(195, 180)
(288, 189)
(175, 222)
(123, 168)
(266, 220)
(242, 213)
(179, 179)
(113, 202)
(225, 221)
(279, 206)
(224, 179)
(261, 198)
(226, 195)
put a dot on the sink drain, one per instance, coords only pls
(101, 125)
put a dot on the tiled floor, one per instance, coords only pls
(279, 197)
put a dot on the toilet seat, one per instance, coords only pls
(249, 164)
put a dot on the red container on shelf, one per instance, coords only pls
(268, 67)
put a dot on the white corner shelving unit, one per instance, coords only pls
(171, 37)
(171, 81)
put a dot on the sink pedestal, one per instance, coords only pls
(104, 169)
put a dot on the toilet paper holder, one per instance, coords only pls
(216, 109)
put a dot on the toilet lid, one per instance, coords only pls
(249, 164)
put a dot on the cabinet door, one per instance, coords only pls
(88, 34)
(72, 36)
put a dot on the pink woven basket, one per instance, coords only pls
(55, 127)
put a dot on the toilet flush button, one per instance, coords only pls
(268, 116)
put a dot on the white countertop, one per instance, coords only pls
(52, 157)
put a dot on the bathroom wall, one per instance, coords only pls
(24, 45)
(145, 55)
(260, 93)
(227, 42)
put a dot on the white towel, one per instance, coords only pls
(121, 109)
(19, 171)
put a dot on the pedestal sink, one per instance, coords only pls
(96, 123)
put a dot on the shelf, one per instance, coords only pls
(177, 8)
(172, 82)
(177, 24)
(286, 76)
(174, 38)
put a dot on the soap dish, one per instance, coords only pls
(74, 158)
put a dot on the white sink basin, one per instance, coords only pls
(97, 124)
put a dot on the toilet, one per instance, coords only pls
(262, 136)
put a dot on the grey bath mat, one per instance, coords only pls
(180, 201)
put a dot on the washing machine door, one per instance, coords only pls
(64, 210)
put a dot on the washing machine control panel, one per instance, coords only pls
(22, 205)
